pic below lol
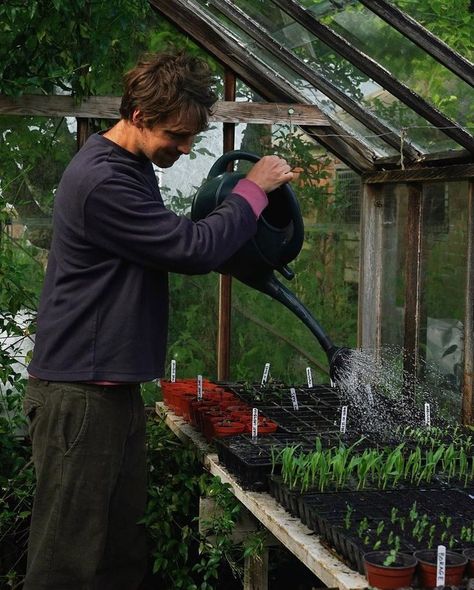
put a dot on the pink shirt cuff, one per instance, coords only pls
(253, 194)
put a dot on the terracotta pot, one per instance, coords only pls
(183, 407)
(469, 553)
(227, 428)
(195, 408)
(202, 408)
(240, 413)
(208, 419)
(228, 399)
(455, 566)
(388, 577)
(173, 394)
(265, 426)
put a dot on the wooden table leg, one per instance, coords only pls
(256, 571)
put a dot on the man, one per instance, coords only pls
(102, 322)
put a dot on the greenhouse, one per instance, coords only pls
(313, 420)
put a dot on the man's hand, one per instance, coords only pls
(271, 172)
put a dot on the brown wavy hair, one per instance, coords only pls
(165, 84)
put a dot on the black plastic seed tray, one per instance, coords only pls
(326, 513)
(305, 419)
(251, 460)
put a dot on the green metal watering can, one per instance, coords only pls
(278, 241)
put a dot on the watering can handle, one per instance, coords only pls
(220, 166)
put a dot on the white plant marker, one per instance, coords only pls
(441, 566)
(294, 399)
(333, 385)
(427, 415)
(254, 422)
(266, 371)
(199, 387)
(309, 377)
(343, 425)
(173, 371)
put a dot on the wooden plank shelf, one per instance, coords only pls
(290, 531)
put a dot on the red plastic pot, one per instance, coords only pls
(183, 407)
(469, 554)
(427, 559)
(227, 428)
(208, 419)
(201, 409)
(172, 392)
(265, 426)
(389, 577)
(228, 399)
(196, 406)
(240, 412)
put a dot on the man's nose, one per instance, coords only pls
(186, 145)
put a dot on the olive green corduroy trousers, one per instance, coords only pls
(89, 457)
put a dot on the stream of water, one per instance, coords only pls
(381, 397)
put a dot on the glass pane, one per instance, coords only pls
(395, 203)
(343, 74)
(193, 299)
(348, 125)
(450, 20)
(406, 62)
(445, 283)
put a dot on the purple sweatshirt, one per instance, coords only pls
(103, 312)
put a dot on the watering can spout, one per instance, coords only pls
(338, 357)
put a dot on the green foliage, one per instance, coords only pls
(81, 47)
(34, 153)
(450, 20)
(16, 472)
(70, 45)
(16, 493)
(185, 555)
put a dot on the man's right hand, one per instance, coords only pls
(271, 172)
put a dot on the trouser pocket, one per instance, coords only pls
(33, 404)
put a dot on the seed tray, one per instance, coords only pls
(252, 460)
(324, 513)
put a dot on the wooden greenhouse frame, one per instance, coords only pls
(409, 167)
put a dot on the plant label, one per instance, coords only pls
(309, 377)
(173, 371)
(441, 566)
(266, 371)
(343, 425)
(427, 415)
(254, 422)
(294, 399)
(333, 385)
(199, 387)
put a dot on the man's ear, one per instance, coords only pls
(137, 119)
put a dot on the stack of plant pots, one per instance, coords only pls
(217, 412)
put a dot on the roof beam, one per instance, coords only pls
(107, 107)
(377, 73)
(411, 29)
(441, 174)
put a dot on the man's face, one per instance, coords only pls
(164, 143)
